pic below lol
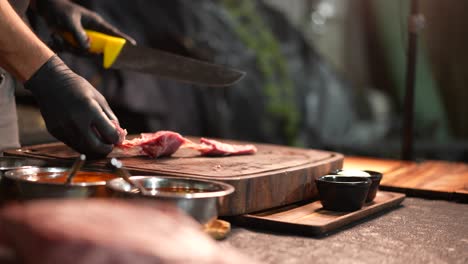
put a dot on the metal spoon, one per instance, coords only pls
(79, 162)
(124, 174)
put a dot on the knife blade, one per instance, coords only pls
(118, 54)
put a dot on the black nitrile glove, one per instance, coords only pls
(73, 110)
(65, 16)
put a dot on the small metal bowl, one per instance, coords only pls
(10, 163)
(199, 198)
(375, 176)
(342, 193)
(29, 185)
(7, 189)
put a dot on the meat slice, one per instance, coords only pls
(210, 147)
(165, 143)
(107, 231)
(161, 143)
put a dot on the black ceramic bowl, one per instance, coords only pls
(375, 176)
(342, 193)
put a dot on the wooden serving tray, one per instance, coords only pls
(431, 179)
(312, 219)
(274, 176)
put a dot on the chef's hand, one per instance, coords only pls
(65, 16)
(74, 111)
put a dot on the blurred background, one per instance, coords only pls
(326, 74)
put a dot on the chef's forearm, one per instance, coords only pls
(22, 53)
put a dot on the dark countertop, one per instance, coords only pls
(420, 231)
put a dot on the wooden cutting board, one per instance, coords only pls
(274, 176)
(431, 179)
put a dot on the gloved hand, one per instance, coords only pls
(65, 16)
(74, 111)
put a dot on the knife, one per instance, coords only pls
(118, 54)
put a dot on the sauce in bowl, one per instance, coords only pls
(61, 177)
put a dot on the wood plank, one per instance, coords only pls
(274, 176)
(382, 165)
(432, 179)
(312, 219)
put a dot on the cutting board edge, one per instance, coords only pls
(231, 205)
(304, 190)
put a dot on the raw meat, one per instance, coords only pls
(161, 143)
(165, 143)
(210, 147)
(107, 231)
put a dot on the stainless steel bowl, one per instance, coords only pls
(199, 198)
(10, 163)
(7, 189)
(28, 187)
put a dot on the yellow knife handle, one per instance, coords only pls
(101, 43)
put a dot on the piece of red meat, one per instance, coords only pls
(161, 143)
(165, 143)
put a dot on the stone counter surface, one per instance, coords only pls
(420, 231)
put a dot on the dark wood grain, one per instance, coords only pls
(312, 219)
(274, 176)
(382, 165)
(432, 179)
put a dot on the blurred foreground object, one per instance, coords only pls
(107, 231)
